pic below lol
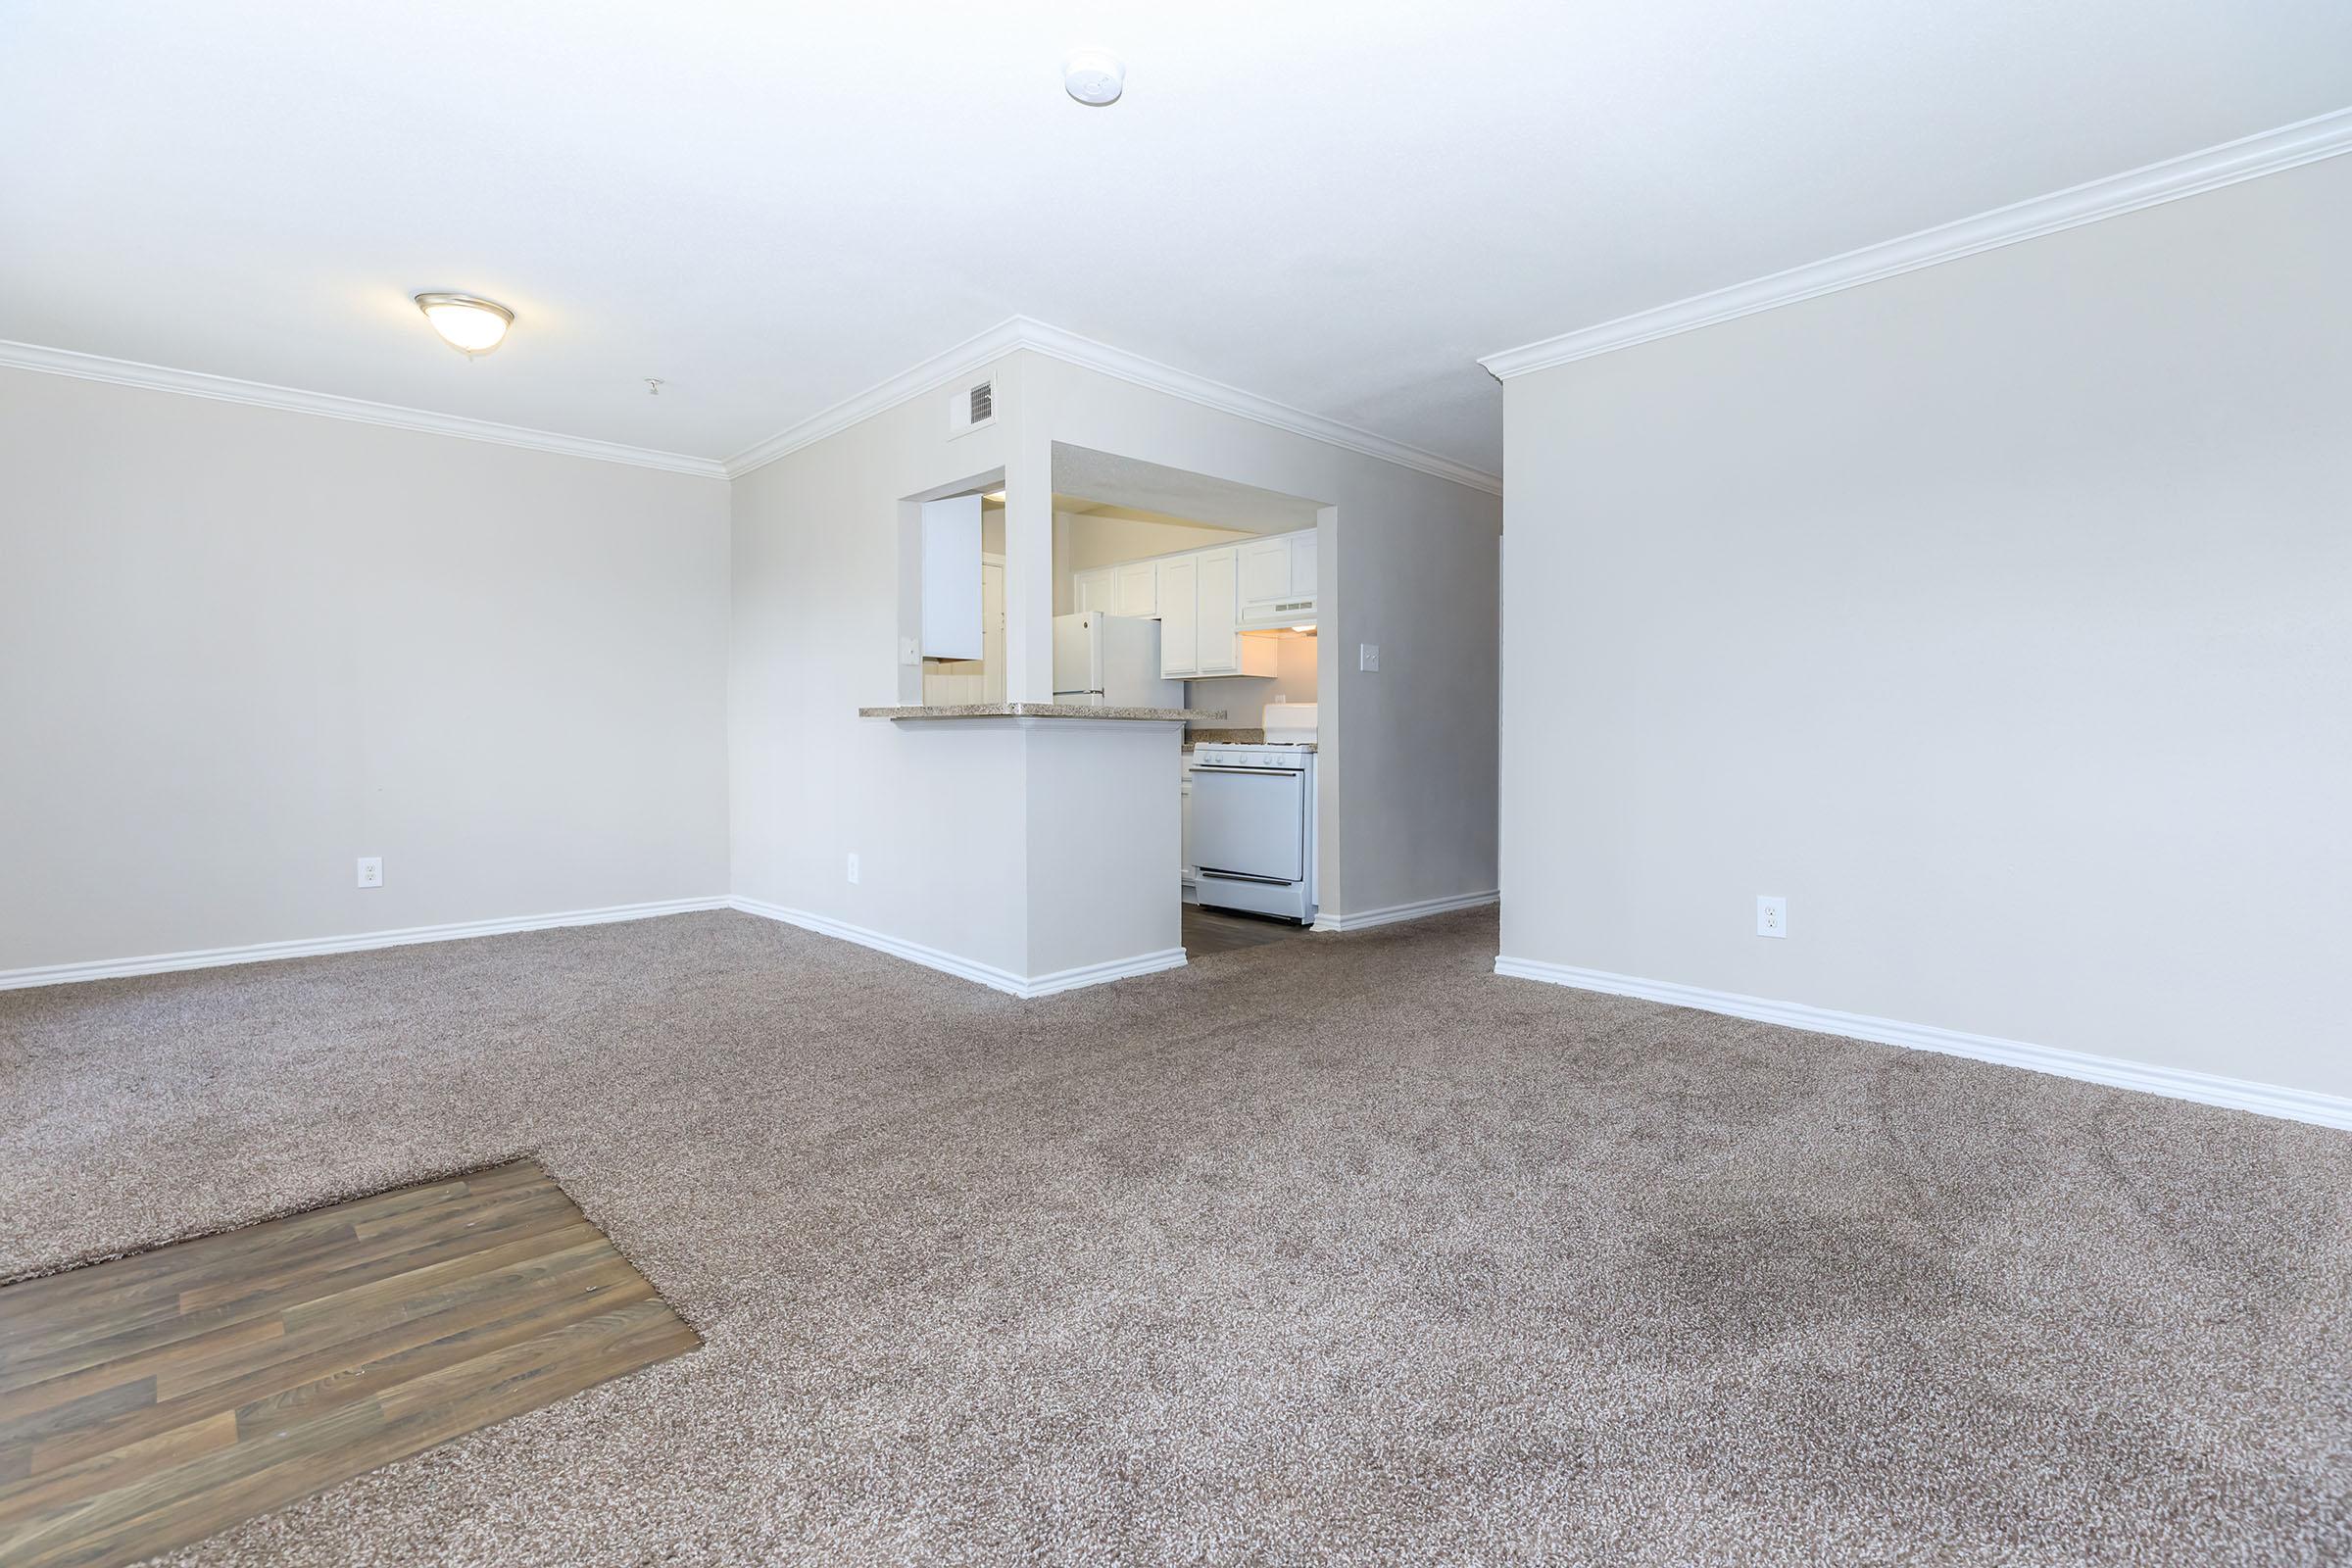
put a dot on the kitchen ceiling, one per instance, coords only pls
(771, 208)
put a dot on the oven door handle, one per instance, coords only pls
(1245, 876)
(1269, 772)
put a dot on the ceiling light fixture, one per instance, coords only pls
(467, 322)
(1093, 77)
(996, 496)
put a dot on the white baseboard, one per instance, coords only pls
(987, 975)
(1325, 921)
(1095, 974)
(2238, 1094)
(58, 974)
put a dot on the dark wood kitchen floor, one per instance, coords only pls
(1208, 931)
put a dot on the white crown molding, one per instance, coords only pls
(1389, 914)
(259, 394)
(2305, 142)
(913, 382)
(57, 974)
(2237, 1093)
(987, 975)
(1014, 332)
(1040, 338)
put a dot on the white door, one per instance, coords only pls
(1138, 588)
(992, 632)
(1218, 648)
(1094, 590)
(1265, 570)
(1179, 624)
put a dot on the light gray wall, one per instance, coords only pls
(1999, 615)
(240, 647)
(1420, 738)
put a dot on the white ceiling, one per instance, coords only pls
(1134, 487)
(1337, 206)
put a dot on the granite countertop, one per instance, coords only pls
(1225, 737)
(1041, 711)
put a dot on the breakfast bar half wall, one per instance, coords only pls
(1043, 841)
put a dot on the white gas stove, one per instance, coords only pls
(1253, 818)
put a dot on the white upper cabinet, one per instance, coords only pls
(1204, 599)
(1137, 588)
(1179, 627)
(1266, 569)
(1217, 617)
(951, 586)
(1277, 580)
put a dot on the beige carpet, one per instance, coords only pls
(1340, 1251)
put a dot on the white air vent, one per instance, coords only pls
(972, 408)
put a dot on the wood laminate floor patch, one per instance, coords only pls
(150, 1401)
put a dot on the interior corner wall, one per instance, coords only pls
(1997, 614)
(1407, 560)
(242, 647)
(934, 815)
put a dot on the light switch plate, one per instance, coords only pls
(910, 651)
(1772, 915)
(1367, 657)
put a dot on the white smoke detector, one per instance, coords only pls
(1093, 77)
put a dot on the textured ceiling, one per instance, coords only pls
(1340, 207)
(1147, 489)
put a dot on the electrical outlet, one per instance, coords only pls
(1772, 915)
(371, 871)
(853, 868)
(1367, 657)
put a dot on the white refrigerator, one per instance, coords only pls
(1110, 662)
